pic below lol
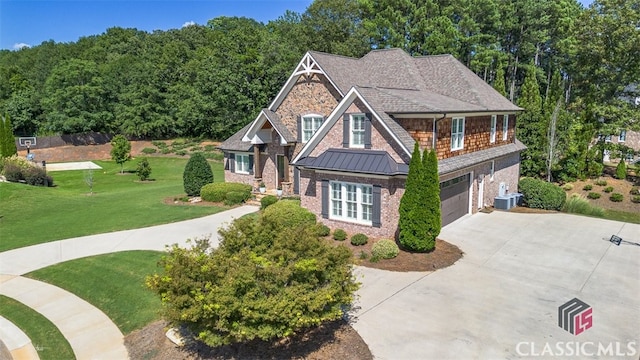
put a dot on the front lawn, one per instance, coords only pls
(114, 283)
(31, 215)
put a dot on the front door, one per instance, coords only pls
(280, 170)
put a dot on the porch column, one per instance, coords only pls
(257, 169)
(286, 164)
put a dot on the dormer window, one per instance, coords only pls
(310, 124)
(357, 130)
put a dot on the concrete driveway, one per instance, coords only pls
(501, 300)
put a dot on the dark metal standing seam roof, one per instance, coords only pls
(371, 162)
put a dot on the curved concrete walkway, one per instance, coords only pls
(91, 334)
(16, 341)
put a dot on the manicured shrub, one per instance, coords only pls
(165, 151)
(159, 144)
(267, 200)
(235, 198)
(143, 170)
(339, 235)
(359, 239)
(385, 249)
(635, 199)
(539, 194)
(217, 192)
(616, 197)
(37, 176)
(601, 182)
(621, 170)
(286, 214)
(323, 230)
(149, 150)
(593, 195)
(587, 187)
(608, 189)
(579, 205)
(567, 187)
(197, 173)
(634, 191)
(13, 172)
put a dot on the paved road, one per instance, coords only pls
(501, 300)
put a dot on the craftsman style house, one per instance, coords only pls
(341, 131)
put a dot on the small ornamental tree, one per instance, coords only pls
(268, 279)
(621, 170)
(143, 170)
(197, 173)
(120, 150)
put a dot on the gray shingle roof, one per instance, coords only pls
(279, 126)
(460, 162)
(235, 143)
(355, 161)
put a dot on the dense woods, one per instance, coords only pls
(574, 70)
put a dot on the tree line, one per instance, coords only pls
(573, 69)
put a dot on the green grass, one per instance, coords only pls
(114, 283)
(31, 215)
(45, 336)
(617, 215)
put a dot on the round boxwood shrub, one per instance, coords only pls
(323, 230)
(587, 187)
(540, 194)
(197, 173)
(616, 197)
(234, 198)
(359, 239)
(288, 214)
(339, 235)
(385, 249)
(593, 195)
(635, 199)
(608, 189)
(268, 200)
(217, 192)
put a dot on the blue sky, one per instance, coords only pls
(30, 22)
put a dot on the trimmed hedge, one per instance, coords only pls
(384, 249)
(235, 198)
(540, 194)
(288, 214)
(339, 235)
(197, 173)
(218, 192)
(359, 239)
(268, 200)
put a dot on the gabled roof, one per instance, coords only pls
(356, 161)
(251, 135)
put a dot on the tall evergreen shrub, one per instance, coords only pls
(197, 173)
(621, 170)
(431, 198)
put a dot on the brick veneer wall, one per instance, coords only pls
(392, 191)
(632, 140)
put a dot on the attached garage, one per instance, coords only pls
(454, 198)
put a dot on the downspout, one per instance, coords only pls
(435, 131)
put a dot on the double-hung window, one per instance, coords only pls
(623, 136)
(457, 133)
(505, 127)
(242, 163)
(310, 124)
(494, 120)
(357, 130)
(352, 202)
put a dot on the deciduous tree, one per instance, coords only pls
(120, 150)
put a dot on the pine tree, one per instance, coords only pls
(499, 83)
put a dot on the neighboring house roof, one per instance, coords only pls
(356, 161)
(235, 143)
(463, 161)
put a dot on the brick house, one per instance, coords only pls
(341, 131)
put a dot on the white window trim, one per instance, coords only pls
(623, 136)
(313, 131)
(455, 134)
(351, 130)
(237, 171)
(505, 127)
(494, 128)
(343, 200)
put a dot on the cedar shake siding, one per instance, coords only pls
(477, 132)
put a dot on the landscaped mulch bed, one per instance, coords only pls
(619, 186)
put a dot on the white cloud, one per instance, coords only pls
(188, 23)
(19, 46)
